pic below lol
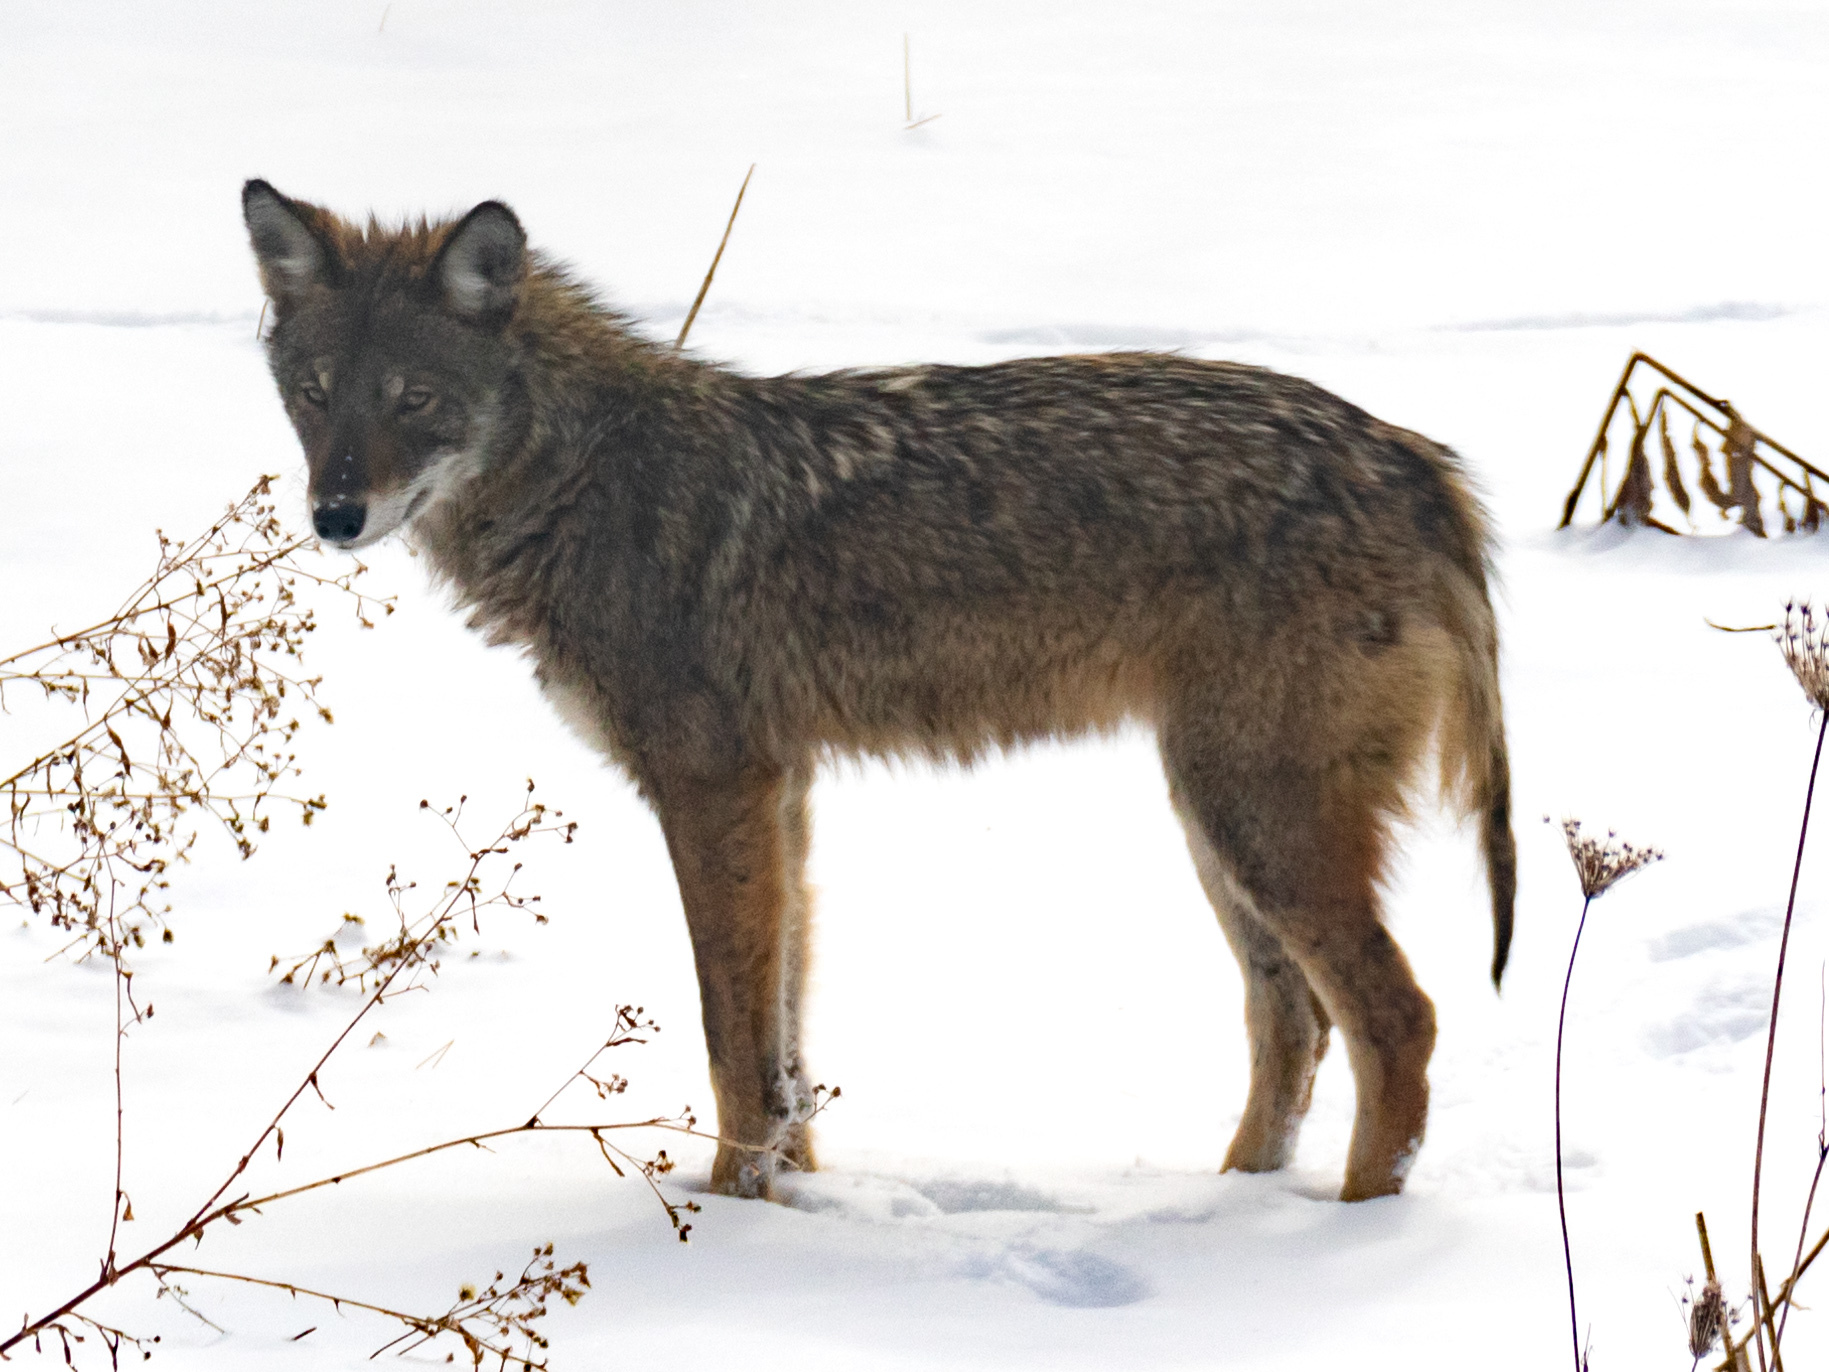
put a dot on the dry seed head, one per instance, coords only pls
(1599, 863)
(1707, 1319)
(1804, 641)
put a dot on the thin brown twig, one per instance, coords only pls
(669, 1124)
(1822, 1157)
(1784, 1297)
(458, 896)
(1771, 1047)
(1562, 1211)
(628, 1023)
(432, 1325)
(120, 1109)
(1600, 864)
(716, 258)
(1762, 1301)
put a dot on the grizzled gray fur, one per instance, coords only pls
(723, 580)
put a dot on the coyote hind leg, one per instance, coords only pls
(1304, 844)
(1286, 1026)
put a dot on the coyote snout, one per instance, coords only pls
(725, 580)
(339, 519)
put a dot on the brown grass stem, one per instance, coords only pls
(1562, 1210)
(1781, 1302)
(629, 1024)
(492, 1308)
(464, 894)
(120, 1107)
(1816, 1177)
(1771, 1045)
(716, 258)
(163, 1270)
(1762, 1294)
(669, 1124)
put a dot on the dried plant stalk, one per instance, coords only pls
(1710, 487)
(1743, 450)
(1804, 644)
(485, 1322)
(1673, 477)
(1632, 506)
(717, 257)
(1738, 446)
(190, 695)
(1599, 865)
(489, 1323)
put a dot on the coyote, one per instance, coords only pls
(723, 580)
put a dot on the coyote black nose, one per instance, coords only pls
(339, 522)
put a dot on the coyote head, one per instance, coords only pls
(391, 352)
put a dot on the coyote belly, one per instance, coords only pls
(724, 579)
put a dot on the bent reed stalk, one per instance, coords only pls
(1804, 642)
(1562, 1209)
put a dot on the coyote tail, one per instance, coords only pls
(1476, 768)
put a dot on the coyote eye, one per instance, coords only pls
(314, 394)
(415, 399)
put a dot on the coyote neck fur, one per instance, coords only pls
(548, 545)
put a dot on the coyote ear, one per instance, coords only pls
(291, 255)
(481, 265)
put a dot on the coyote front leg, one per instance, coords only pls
(796, 937)
(733, 841)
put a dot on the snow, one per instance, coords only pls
(1462, 217)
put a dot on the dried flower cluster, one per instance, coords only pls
(509, 1312)
(1804, 641)
(190, 695)
(1599, 863)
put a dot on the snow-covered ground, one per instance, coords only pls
(1462, 217)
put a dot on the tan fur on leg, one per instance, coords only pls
(796, 939)
(1284, 1021)
(1303, 844)
(730, 846)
